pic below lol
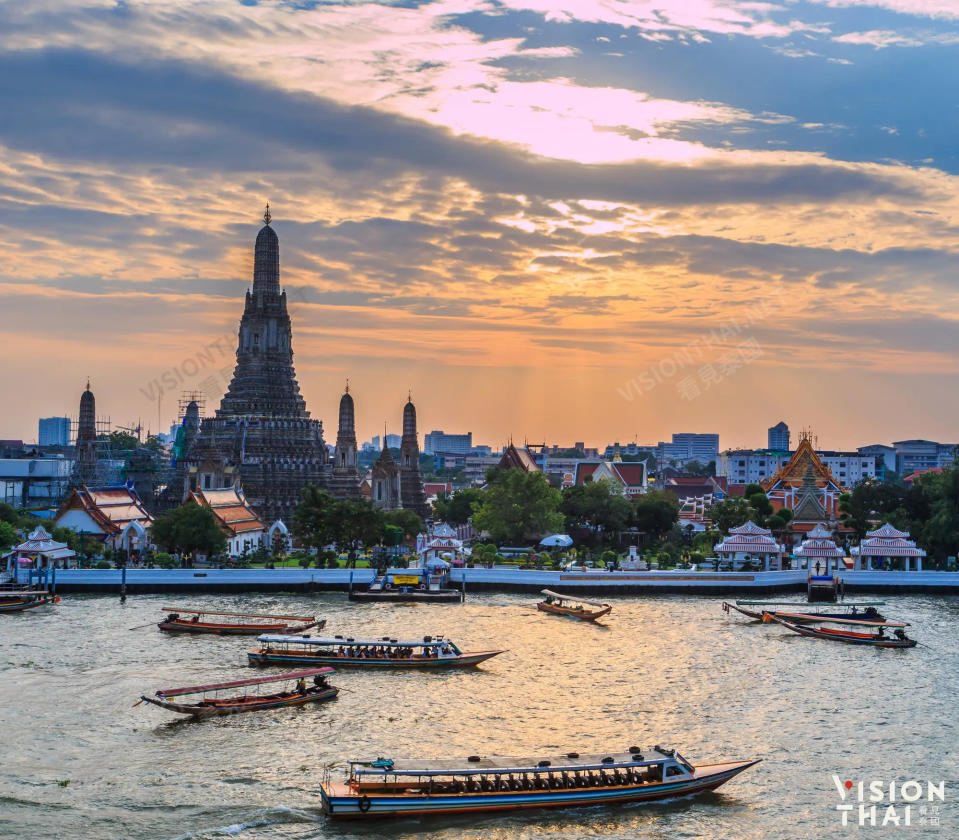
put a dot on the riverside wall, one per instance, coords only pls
(744, 584)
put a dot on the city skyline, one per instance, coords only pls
(554, 222)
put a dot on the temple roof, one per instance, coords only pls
(794, 471)
(230, 509)
(112, 508)
(385, 466)
(516, 458)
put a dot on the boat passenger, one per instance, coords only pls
(320, 681)
(301, 686)
(195, 619)
(900, 634)
(881, 634)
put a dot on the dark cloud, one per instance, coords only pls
(80, 106)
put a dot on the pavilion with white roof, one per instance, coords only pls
(748, 543)
(819, 547)
(884, 545)
(40, 551)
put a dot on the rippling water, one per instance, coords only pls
(78, 761)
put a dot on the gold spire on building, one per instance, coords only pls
(267, 217)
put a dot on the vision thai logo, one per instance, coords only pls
(885, 803)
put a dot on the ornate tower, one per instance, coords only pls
(85, 465)
(345, 482)
(411, 483)
(386, 484)
(262, 434)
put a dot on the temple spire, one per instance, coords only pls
(267, 217)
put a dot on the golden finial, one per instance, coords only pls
(347, 385)
(267, 217)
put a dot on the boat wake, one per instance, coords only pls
(260, 819)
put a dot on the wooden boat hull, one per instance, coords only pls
(228, 707)
(180, 626)
(466, 660)
(18, 605)
(846, 636)
(582, 615)
(426, 596)
(341, 802)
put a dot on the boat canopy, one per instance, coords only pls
(573, 598)
(199, 689)
(862, 622)
(240, 615)
(843, 605)
(334, 641)
(499, 764)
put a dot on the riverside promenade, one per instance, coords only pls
(149, 581)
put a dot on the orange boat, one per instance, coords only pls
(575, 607)
(180, 620)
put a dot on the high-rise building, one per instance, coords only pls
(686, 447)
(777, 437)
(53, 431)
(917, 455)
(438, 441)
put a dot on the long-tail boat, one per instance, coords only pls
(181, 620)
(869, 611)
(20, 600)
(818, 618)
(426, 652)
(877, 639)
(299, 694)
(404, 788)
(558, 604)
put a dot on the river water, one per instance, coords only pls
(79, 761)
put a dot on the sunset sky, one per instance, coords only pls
(584, 220)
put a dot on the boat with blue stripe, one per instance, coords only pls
(400, 788)
(351, 652)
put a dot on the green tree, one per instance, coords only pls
(656, 512)
(407, 521)
(8, 535)
(761, 506)
(938, 532)
(356, 525)
(121, 441)
(189, 529)
(731, 512)
(155, 445)
(597, 506)
(458, 508)
(314, 517)
(518, 506)
(869, 502)
(8, 513)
